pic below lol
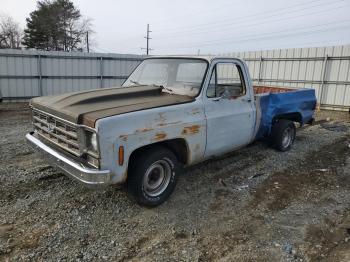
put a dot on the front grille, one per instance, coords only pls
(56, 131)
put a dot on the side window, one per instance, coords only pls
(227, 78)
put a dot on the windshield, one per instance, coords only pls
(175, 75)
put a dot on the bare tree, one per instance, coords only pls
(10, 33)
(86, 33)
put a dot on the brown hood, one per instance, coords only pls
(88, 106)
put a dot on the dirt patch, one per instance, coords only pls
(329, 241)
(321, 173)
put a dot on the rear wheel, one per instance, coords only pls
(152, 176)
(282, 134)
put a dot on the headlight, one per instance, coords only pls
(91, 154)
(93, 141)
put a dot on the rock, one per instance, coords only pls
(222, 182)
(256, 175)
(322, 169)
(288, 248)
(239, 188)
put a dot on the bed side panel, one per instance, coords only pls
(301, 101)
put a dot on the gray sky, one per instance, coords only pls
(185, 26)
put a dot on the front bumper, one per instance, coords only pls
(70, 167)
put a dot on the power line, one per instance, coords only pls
(236, 18)
(147, 41)
(239, 19)
(256, 37)
(202, 29)
(266, 35)
(294, 17)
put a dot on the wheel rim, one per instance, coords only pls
(287, 137)
(157, 178)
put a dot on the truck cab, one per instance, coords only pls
(170, 113)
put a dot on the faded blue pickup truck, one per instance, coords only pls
(170, 112)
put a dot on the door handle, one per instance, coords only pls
(248, 100)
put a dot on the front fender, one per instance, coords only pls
(143, 128)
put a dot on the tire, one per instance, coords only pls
(282, 135)
(152, 176)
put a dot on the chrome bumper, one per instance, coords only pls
(72, 168)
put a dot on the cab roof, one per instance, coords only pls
(207, 58)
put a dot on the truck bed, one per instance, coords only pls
(271, 89)
(273, 102)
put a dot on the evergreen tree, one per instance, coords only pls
(55, 25)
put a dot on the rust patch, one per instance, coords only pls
(142, 130)
(195, 111)
(123, 137)
(159, 136)
(190, 130)
(169, 123)
(88, 121)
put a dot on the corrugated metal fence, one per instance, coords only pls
(326, 69)
(25, 74)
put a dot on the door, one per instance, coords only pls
(229, 109)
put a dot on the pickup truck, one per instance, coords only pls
(170, 113)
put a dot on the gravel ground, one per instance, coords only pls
(255, 204)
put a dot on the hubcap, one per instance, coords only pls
(287, 137)
(157, 178)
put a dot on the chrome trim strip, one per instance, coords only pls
(72, 168)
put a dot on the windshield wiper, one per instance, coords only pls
(136, 83)
(167, 89)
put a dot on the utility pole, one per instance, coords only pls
(147, 41)
(87, 42)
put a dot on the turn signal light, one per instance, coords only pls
(121, 156)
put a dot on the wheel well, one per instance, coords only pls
(178, 146)
(295, 117)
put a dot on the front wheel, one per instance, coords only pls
(282, 134)
(152, 176)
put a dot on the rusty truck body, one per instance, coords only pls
(170, 113)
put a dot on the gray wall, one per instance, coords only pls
(326, 69)
(25, 74)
